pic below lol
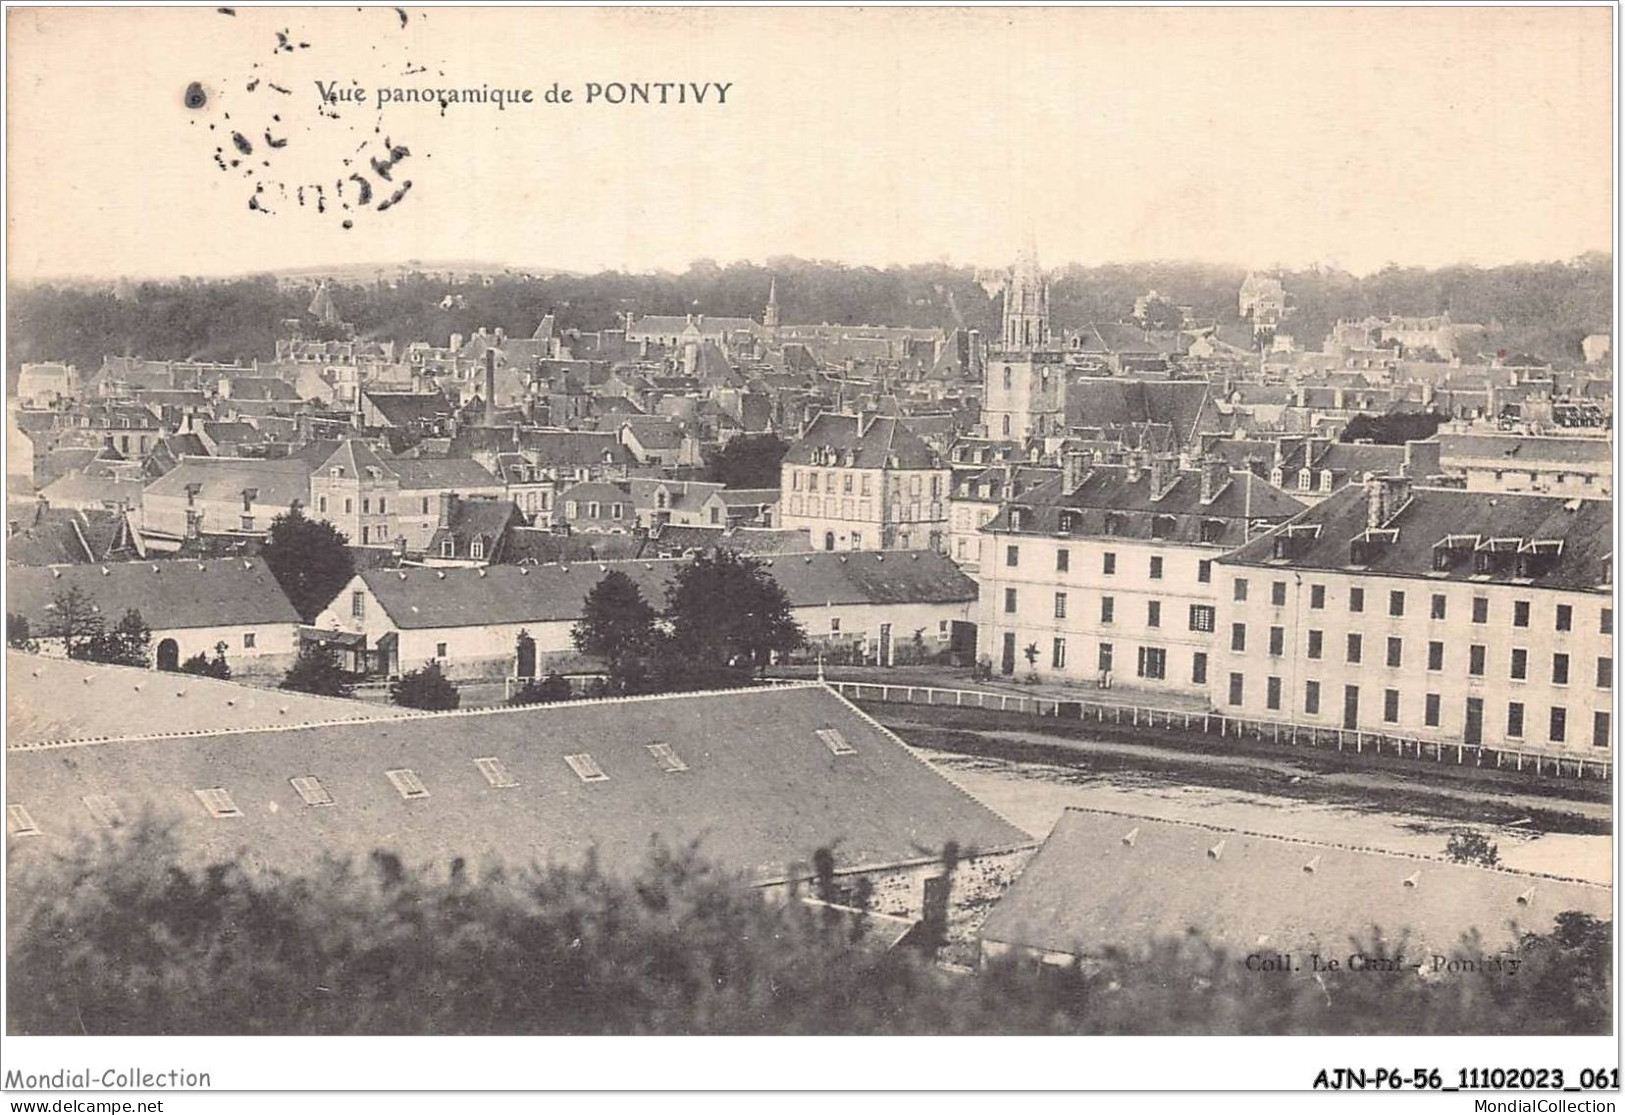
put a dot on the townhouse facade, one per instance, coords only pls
(1429, 613)
(865, 483)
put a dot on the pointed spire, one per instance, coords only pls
(770, 316)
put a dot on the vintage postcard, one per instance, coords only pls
(809, 522)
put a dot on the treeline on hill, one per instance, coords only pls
(1544, 308)
(118, 937)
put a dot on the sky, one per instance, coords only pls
(1259, 137)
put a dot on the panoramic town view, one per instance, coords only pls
(796, 645)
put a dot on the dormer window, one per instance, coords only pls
(476, 549)
(1162, 526)
(1306, 479)
(1325, 479)
(1068, 522)
(1213, 531)
(1018, 518)
(1114, 523)
(448, 547)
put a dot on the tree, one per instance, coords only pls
(129, 643)
(618, 625)
(309, 558)
(75, 619)
(554, 687)
(726, 616)
(17, 634)
(204, 666)
(1473, 847)
(748, 461)
(427, 688)
(1393, 429)
(317, 670)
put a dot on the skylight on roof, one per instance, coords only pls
(104, 810)
(496, 774)
(310, 788)
(218, 802)
(667, 758)
(836, 742)
(19, 823)
(586, 768)
(408, 783)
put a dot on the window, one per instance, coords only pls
(358, 604)
(1356, 599)
(1559, 725)
(617, 511)
(407, 782)
(1238, 636)
(1390, 706)
(321, 504)
(1520, 664)
(1605, 673)
(1156, 567)
(1311, 698)
(836, 742)
(863, 488)
(1430, 710)
(1278, 594)
(1204, 571)
(1438, 607)
(1599, 729)
(1565, 617)
(1475, 660)
(1063, 560)
(349, 506)
(1354, 648)
(1009, 601)
(1560, 669)
(1012, 555)
(667, 758)
(218, 802)
(1199, 668)
(1481, 609)
(448, 547)
(1520, 613)
(476, 549)
(310, 790)
(1396, 651)
(1272, 693)
(104, 810)
(1435, 655)
(424, 510)
(1605, 623)
(846, 484)
(1239, 589)
(366, 506)
(1060, 605)
(248, 522)
(248, 640)
(1153, 663)
(1108, 608)
(496, 774)
(1058, 655)
(1515, 719)
(1277, 641)
(19, 823)
(1316, 640)
(1236, 684)
(1202, 617)
(1153, 613)
(1396, 603)
(834, 625)
(1104, 661)
(1108, 563)
(1317, 596)
(586, 768)
(594, 509)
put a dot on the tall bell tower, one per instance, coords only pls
(1024, 392)
(1026, 305)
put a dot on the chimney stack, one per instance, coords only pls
(1074, 467)
(490, 387)
(1384, 496)
(1215, 478)
(1134, 461)
(1164, 472)
(448, 503)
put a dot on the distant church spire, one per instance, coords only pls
(321, 306)
(1026, 304)
(770, 316)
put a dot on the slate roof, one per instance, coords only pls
(880, 441)
(1432, 515)
(761, 792)
(1112, 879)
(60, 536)
(1520, 449)
(441, 472)
(280, 482)
(82, 488)
(681, 541)
(406, 409)
(653, 432)
(485, 519)
(57, 699)
(1107, 489)
(572, 448)
(419, 598)
(1096, 401)
(170, 595)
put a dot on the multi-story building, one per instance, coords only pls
(1427, 613)
(375, 501)
(858, 482)
(1025, 391)
(1105, 575)
(1559, 466)
(976, 498)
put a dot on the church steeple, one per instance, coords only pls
(770, 315)
(1026, 305)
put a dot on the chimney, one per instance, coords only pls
(448, 503)
(490, 387)
(1422, 459)
(1164, 472)
(1215, 478)
(1074, 467)
(1384, 496)
(1134, 461)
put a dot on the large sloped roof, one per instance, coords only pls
(279, 482)
(218, 592)
(1111, 879)
(761, 791)
(874, 443)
